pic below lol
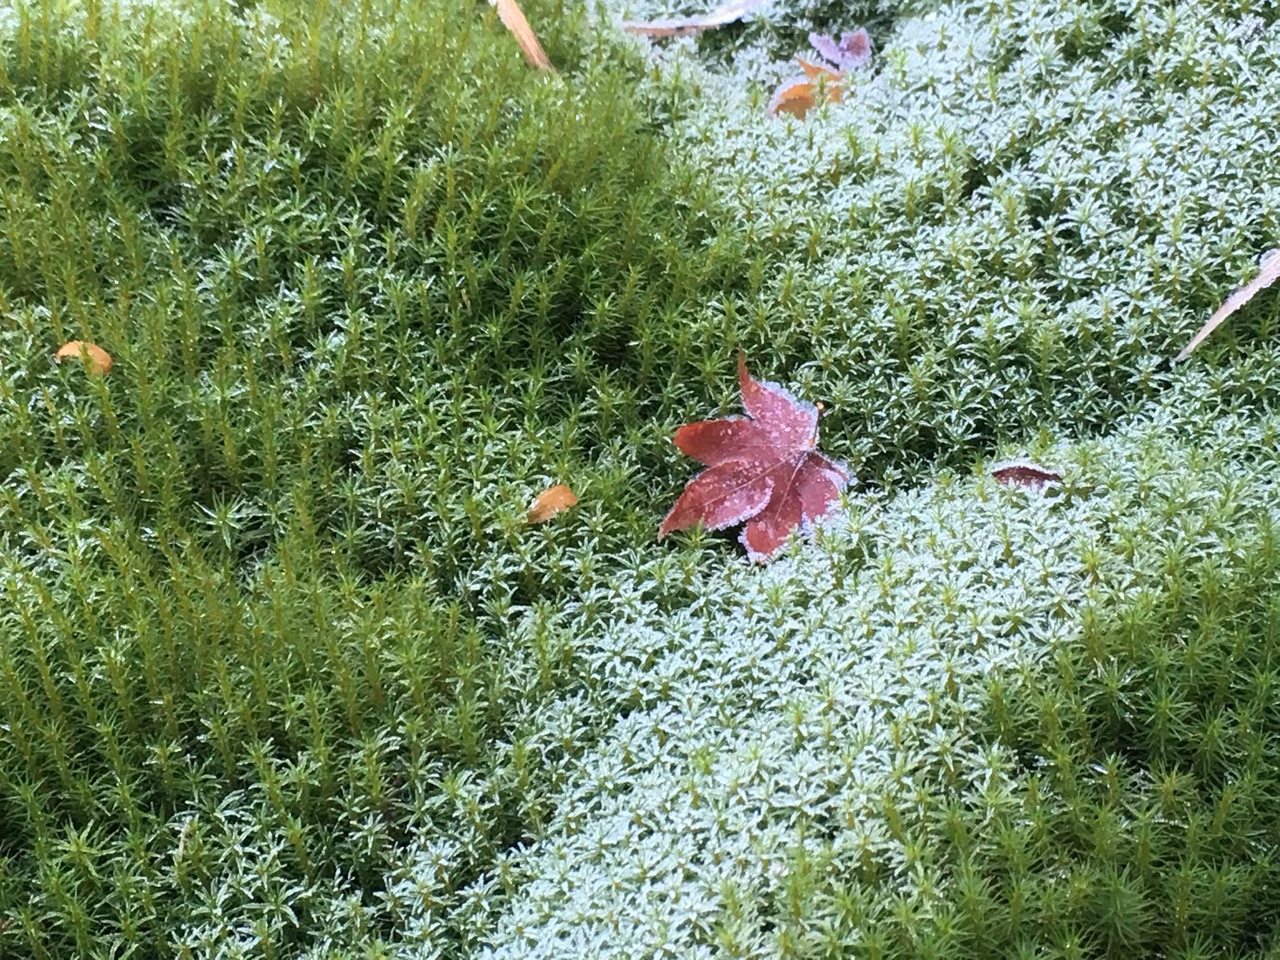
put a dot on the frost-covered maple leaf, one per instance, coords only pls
(764, 468)
(850, 52)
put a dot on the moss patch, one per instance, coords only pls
(284, 672)
(369, 283)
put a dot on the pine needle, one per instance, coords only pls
(513, 19)
(1268, 275)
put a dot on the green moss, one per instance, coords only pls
(1151, 827)
(369, 283)
(303, 248)
(1148, 824)
(284, 671)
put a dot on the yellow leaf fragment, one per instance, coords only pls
(513, 19)
(550, 502)
(1268, 275)
(95, 358)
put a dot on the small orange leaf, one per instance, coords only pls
(828, 79)
(550, 502)
(794, 97)
(95, 358)
(1268, 275)
(513, 19)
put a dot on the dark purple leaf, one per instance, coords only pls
(1024, 473)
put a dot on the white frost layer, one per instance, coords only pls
(803, 709)
(813, 703)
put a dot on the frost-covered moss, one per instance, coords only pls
(284, 673)
(1011, 223)
(856, 751)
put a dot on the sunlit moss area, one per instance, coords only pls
(285, 671)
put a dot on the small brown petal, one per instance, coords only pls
(1024, 473)
(95, 358)
(550, 502)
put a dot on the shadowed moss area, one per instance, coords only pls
(369, 283)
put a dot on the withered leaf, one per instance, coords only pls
(685, 26)
(851, 51)
(1268, 275)
(796, 96)
(95, 358)
(513, 19)
(1024, 473)
(550, 502)
(815, 71)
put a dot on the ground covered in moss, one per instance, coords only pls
(285, 673)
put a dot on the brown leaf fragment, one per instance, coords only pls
(798, 95)
(550, 502)
(95, 358)
(513, 19)
(795, 97)
(1268, 275)
(686, 26)
(1024, 473)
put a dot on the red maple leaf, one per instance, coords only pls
(764, 468)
